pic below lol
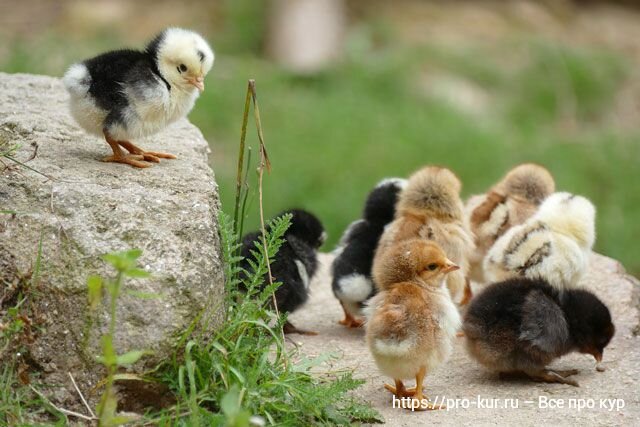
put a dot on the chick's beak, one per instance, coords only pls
(598, 356)
(197, 81)
(450, 266)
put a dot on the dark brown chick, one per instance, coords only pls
(521, 325)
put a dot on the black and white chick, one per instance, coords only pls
(128, 94)
(295, 264)
(351, 268)
(519, 326)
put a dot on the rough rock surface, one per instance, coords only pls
(462, 378)
(82, 208)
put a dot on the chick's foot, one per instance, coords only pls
(566, 373)
(149, 156)
(289, 328)
(420, 397)
(550, 376)
(349, 321)
(399, 390)
(127, 159)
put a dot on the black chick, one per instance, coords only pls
(521, 325)
(295, 264)
(351, 268)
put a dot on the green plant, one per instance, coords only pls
(244, 370)
(19, 406)
(125, 264)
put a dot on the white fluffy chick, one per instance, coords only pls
(127, 94)
(554, 244)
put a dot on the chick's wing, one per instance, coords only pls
(543, 323)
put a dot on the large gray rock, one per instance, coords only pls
(82, 208)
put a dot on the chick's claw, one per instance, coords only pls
(566, 373)
(290, 328)
(160, 155)
(549, 376)
(349, 321)
(127, 159)
(149, 156)
(399, 390)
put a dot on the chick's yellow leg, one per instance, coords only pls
(349, 321)
(420, 397)
(119, 157)
(150, 156)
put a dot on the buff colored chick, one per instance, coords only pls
(412, 322)
(510, 202)
(554, 244)
(430, 208)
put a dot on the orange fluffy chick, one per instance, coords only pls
(430, 208)
(412, 322)
(510, 202)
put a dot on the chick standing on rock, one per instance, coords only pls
(510, 202)
(295, 264)
(553, 245)
(351, 268)
(412, 322)
(521, 325)
(127, 94)
(430, 208)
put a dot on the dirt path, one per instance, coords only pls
(462, 379)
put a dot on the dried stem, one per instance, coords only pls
(81, 396)
(264, 164)
(61, 410)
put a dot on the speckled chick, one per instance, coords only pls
(510, 202)
(554, 244)
(430, 208)
(521, 325)
(351, 281)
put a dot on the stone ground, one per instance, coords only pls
(461, 378)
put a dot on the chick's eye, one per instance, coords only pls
(432, 267)
(182, 68)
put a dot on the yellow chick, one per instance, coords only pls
(412, 322)
(429, 207)
(510, 202)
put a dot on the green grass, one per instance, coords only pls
(244, 369)
(331, 137)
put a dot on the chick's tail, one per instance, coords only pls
(77, 80)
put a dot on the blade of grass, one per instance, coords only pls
(243, 136)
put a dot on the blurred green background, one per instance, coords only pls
(477, 86)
